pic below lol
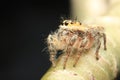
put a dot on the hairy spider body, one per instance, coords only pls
(73, 37)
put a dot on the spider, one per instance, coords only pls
(74, 37)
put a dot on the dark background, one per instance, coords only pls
(25, 26)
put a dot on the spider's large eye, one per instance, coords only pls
(66, 23)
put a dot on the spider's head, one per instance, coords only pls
(71, 23)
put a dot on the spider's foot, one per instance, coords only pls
(64, 67)
(105, 48)
(97, 58)
(74, 65)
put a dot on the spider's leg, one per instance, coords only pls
(76, 61)
(104, 39)
(52, 58)
(90, 41)
(66, 59)
(97, 50)
(77, 46)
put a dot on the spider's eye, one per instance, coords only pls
(71, 22)
(66, 23)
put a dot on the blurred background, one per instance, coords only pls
(25, 26)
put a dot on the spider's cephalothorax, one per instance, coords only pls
(73, 37)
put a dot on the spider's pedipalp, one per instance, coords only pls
(52, 58)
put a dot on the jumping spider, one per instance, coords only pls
(73, 36)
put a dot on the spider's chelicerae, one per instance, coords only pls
(74, 37)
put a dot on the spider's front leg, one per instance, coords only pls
(51, 48)
(68, 54)
(78, 57)
(77, 46)
(68, 49)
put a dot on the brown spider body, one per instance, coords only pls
(72, 37)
